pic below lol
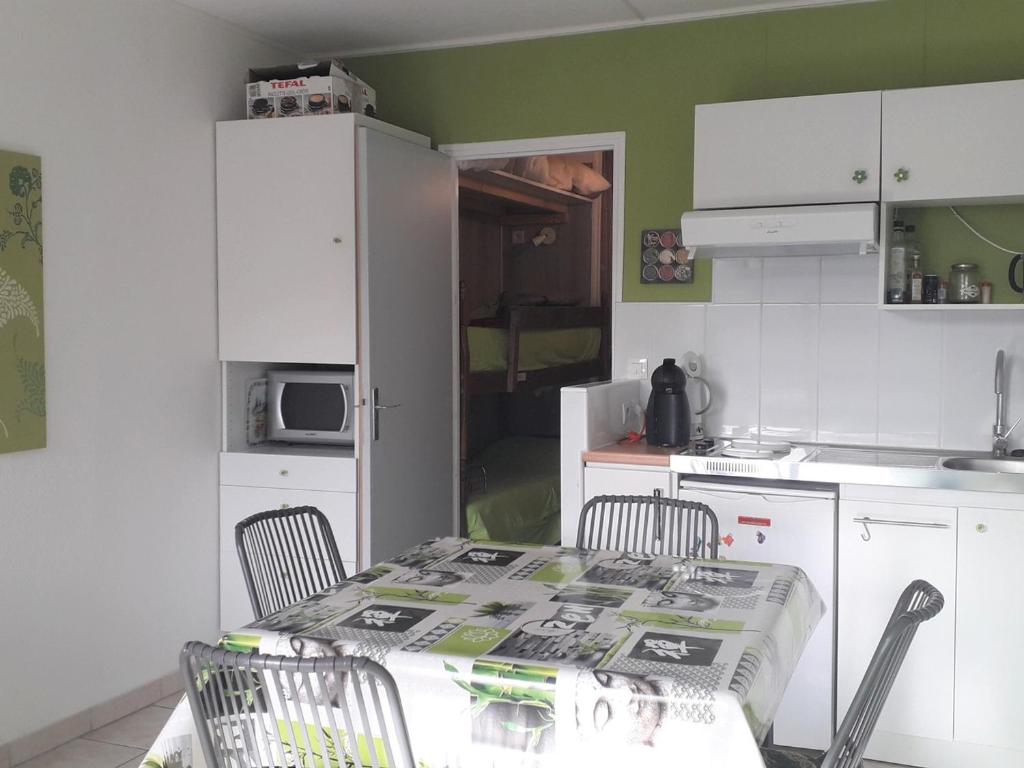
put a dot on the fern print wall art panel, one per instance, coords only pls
(22, 371)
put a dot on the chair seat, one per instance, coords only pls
(780, 757)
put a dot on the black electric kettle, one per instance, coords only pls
(1018, 287)
(668, 409)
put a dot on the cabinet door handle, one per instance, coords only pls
(866, 521)
(902, 174)
(377, 407)
(860, 175)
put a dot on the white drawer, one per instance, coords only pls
(265, 470)
(239, 502)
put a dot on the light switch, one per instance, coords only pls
(637, 368)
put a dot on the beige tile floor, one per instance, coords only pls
(123, 743)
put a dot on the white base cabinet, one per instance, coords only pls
(882, 548)
(990, 629)
(616, 480)
(238, 502)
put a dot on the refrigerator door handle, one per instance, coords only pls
(866, 521)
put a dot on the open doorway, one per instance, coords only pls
(536, 276)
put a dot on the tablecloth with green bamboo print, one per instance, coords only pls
(509, 654)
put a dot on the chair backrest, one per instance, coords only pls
(919, 602)
(254, 710)
(287, 555)
(652, 525)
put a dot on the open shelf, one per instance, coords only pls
(944, 241)
(515, 189)
(946, 307)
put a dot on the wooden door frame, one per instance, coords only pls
(614, 142)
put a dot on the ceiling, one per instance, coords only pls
(350, 27)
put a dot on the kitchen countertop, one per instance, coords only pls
(851, 465)
(639, 454)
(847, 465)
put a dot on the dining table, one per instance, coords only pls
(517, 654)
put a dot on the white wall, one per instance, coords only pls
(798, 346)
(108, 537)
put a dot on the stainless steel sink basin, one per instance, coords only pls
(972, 464)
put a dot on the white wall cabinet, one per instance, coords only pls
(989, 627)
(286, 240)
(792, 151)
(907, 542)
(239, 502)
(953, 142)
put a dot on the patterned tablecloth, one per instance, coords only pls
(515, 655)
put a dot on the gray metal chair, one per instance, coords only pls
(255, 710)
(651, 525)
(287, 555)
(919, 602)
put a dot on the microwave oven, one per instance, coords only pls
(310, 406)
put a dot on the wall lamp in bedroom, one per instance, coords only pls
(546, 236)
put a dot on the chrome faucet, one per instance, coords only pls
(999, 431)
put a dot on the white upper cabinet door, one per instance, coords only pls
(953, 142)
(808, 149)
(989, 628)
(286, 240)
(904, 542)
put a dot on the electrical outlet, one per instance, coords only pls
(637, 368)
(518, 236)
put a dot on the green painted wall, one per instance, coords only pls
(646, 82)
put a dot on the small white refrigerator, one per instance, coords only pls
(794, 526)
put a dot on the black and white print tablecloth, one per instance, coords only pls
(510, 654)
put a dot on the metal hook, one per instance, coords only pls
(866, 536)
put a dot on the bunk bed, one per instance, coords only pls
(511, 490)
(522, 349)
(527, 347)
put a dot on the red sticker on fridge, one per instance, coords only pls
(764, 521)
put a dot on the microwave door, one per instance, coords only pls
(274, 406)
(344, 409)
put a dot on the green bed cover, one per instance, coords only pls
(521, 503)
(488, 348)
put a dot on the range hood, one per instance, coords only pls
(808, 230)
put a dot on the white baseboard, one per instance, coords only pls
(33, 744)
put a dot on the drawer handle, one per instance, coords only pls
(866, 521)
(283, 473)
(286, 506)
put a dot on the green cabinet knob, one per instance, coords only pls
(981, 528)
(860, 175)
(902, 174)
(283, 473)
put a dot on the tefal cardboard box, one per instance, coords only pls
(307, 88)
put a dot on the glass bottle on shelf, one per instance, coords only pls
(896, 275)
(916, 279)
(913, 252)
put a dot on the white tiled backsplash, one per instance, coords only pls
(797, 346)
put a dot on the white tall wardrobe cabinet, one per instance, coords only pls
(335, 248)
